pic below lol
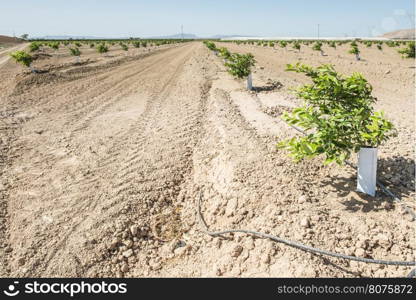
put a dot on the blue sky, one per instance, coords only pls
(124, 18)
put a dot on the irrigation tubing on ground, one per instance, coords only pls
(296, 244)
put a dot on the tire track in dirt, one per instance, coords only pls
(120, 89)
(4, 54)
(158, 162)
(71, 205)
(115, 156)
(8, 127)
(78, 95)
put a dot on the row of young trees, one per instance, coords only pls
(238, 65)
(337, 116)
(101, 46)
(407, 50)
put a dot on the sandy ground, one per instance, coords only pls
(102, 162)
(4, 53)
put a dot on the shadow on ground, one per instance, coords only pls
(269, 87)
(396, 173)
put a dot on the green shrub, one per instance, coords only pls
(368, 44)
(101, 48)
(54, 45)
(211, 46)
(356, 51)
(22, 57)
(240, 64)
(332, 44)
(296, 45)
(34, 46)
(317, 46)
(74, 51)
(224, 53)
(409, 51)
(136, 44)
(337, 116)
(283, 44)
(124, 47)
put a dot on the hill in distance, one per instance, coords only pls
(401, 34)
(4, 39)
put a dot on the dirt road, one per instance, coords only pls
(102, 162)
(4, 53)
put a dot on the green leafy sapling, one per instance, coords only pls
(318, 47)
(34, 46)
(211, 46)
(224, 53)
(54, 45)
(409, 51)
(354, 50)
(101, 48)
(337, 116)
(240, 65)
(283, 44)
(75, 52)
(23, 58)
(296, 46)
(124, 47)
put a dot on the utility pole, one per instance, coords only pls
(182, 32)
(318, 32)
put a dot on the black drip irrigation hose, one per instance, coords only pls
(299, 245)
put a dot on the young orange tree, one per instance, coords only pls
(409, 51)
(318, 47)
(337, 116)
(75, 52)
(23, 58)
(356, 51)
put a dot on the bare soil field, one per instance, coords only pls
(8, 41)
(102, 164)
